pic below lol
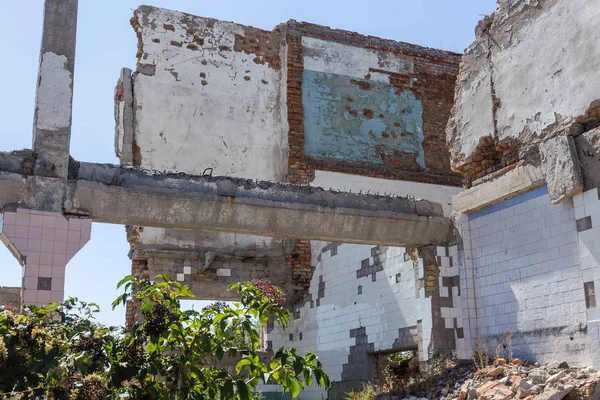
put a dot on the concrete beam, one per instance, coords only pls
(118, 195)
(520, 180)
(54, 93)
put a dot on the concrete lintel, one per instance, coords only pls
(519, 180)
(129, 196)
(118, 195)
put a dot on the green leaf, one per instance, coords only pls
(243, 389)
(219, 352)
(243, 362)
(294, 388)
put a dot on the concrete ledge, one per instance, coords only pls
(519, 180)
(129, 196)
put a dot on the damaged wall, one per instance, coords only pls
(526, 75)
(367, 106)
(216, 97)
(207, 94)
(365, 300)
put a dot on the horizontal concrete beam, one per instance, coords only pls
(513, 183)
(120, 195)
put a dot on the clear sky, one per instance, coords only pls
(106, 43)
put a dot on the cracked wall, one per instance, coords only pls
(207, 94)
(526, 75)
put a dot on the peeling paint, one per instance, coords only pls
(338, 128)
(54, 93)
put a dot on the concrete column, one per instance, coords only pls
(43, 242)
(54, 94)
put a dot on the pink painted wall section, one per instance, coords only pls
(44, 242)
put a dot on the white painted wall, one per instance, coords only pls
(420, 191)
(234, 125)
(355, 62)
(536, 58)
(546, 59)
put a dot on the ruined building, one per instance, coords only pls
(405, 198)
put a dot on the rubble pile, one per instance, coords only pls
(512, 380)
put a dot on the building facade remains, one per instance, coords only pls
(504, 141)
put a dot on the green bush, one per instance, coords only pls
(60, 352)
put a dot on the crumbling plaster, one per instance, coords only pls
(514, 77)
(221, 108)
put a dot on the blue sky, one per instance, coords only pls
(106, 43)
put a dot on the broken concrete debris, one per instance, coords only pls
(515, 380)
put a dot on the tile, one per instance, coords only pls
(30, 282)
(180, 277)
(29, 296)
(74, 224)
(49, 221)
(590, 196)
(10, 218)
(47, 246)
(22, 232)
(61, 235)
(21, 245)
(36, 221)
(62, 223)
(60, 247)
(74, 236)
(187, 270)
(43, 296)
(32, 270)
(59, 260)
(72, 248)
(58, 284)
(33, 256)
(45, 271)
(34, 233)
(34, 246)
(57, 296)
(22, 219)
(46, 258)
(48, 234)
(9, 230)
(58, 272)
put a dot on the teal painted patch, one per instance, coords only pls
(360, 120)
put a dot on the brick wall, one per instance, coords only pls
(432, 82)
(139, 268)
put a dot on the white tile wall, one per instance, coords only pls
(588, 205)
(526, 276)
(383, 308)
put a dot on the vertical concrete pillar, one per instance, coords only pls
(43, 242)
(54, 94)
